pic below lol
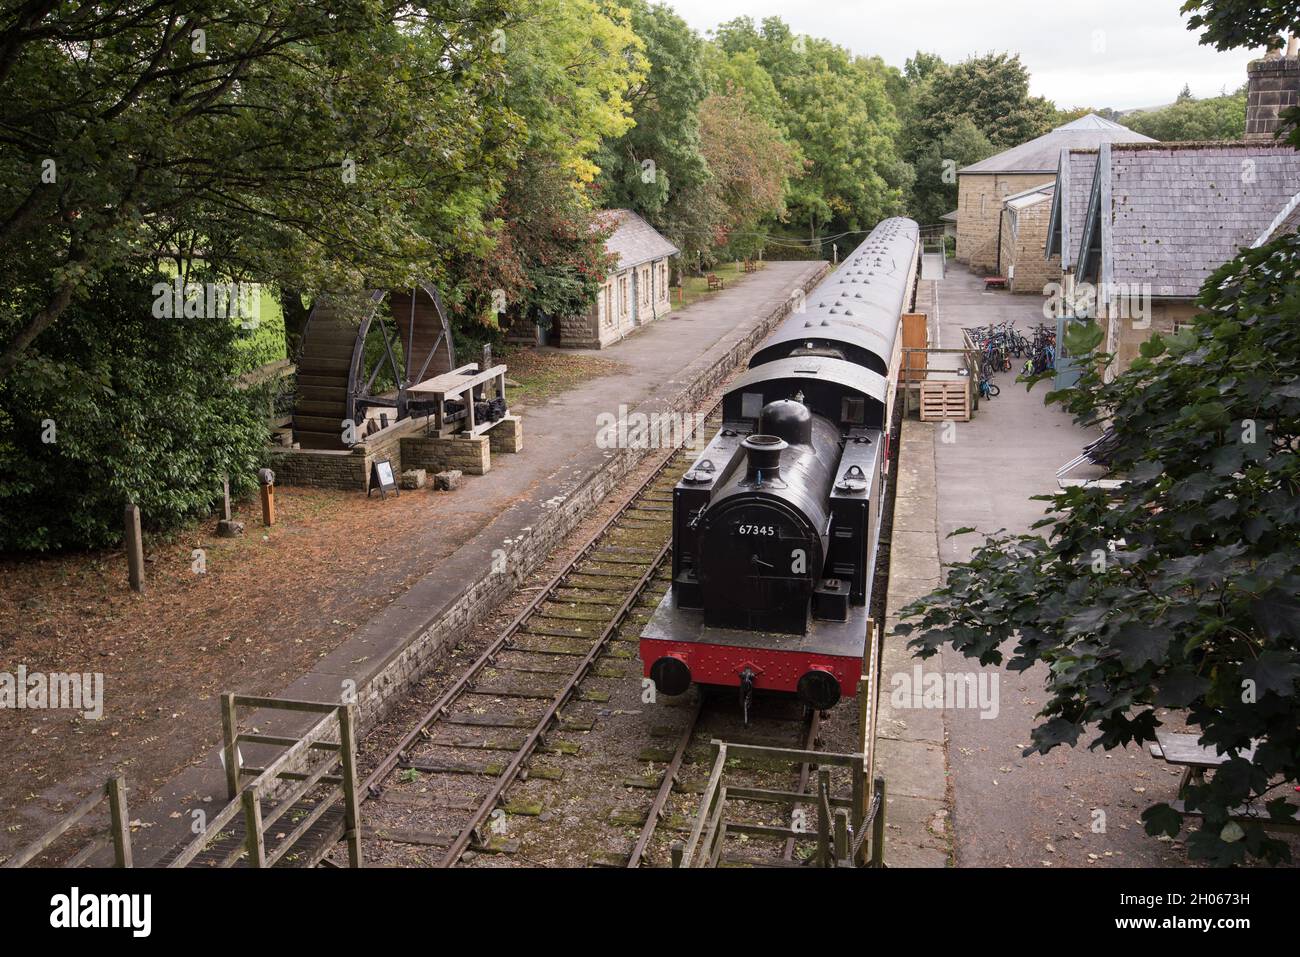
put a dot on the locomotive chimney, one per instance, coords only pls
(763, 458)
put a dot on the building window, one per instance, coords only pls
(645, 286)
(624, 304)
(607, 304)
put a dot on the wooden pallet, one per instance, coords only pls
(945, 401)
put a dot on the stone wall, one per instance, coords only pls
(979, 208)
(471, 456)
(507, 435)
(1124, 336)
(539, 539)
(347, 469)
(316, 468)
(1032, 271)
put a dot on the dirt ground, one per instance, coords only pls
(266, 607)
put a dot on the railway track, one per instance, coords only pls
(442, 790)
(715, 717)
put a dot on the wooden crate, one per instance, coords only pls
(945, 400)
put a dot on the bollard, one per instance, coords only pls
(266, 478)
(134, 549)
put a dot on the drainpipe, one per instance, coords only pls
(654, 299)
(998, 267)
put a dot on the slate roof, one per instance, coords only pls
(634, 240)
(1074, 174)
(1030, 197)
(1286, 221)
(1042, 155)
(1172, 213)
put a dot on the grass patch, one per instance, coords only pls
(542, 372)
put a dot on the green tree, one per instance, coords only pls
(136, 129)
(139, 409)
(1215, 118)
(751, 166)
(1229, 24)
(958, 114)
(838, 112)
(935, 191)
(570, 66)
(992, 91)
(658, 168)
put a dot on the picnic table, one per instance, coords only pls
(1185, 751)
(459, 384)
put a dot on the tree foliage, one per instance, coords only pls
(138, 409)
(837, 110)
(570, 65)
(1227, 24)
(750, 165)
(658, 167)
(287, 142)
(957, 114)
(1178, 590)
(1214, 118)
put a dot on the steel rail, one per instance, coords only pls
(666, 785)
(507, 777)
(373, 785)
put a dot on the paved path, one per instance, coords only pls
(497, 511)
(963, 791)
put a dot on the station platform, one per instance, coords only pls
(508, 521)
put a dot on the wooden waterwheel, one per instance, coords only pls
(358, 356)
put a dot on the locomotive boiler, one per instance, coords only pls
(776, 524)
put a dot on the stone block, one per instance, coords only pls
(447, 481)
(413, 478)
(507, 435)
(228, 528)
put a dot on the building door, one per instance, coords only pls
(1067, 367)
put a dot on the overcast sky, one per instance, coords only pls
(1116, 53)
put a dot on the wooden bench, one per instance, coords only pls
(995, 282)
(459, 384)
(716, 282)
(751, 266)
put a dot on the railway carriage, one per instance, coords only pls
(776, 524)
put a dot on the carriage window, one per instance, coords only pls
(853, 411)
(751, 405)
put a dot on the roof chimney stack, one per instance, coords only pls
(1274, 88)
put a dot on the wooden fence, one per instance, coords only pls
(284, 782)
(118, 833)
(844, 821)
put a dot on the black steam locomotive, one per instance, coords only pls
(775, 526)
